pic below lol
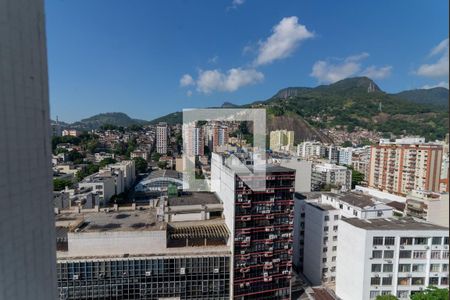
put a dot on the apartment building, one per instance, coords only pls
(162, 136)
(310, 150)
(345, 156)
(128, 168)
(193, 140)
(219, 137)
(404, 165)
(136, 253)
(429, 206)
(390, 256)
(330, 174)
(104, 186)
(261, 224)
(361, 160)
(281, 140)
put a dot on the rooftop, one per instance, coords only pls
(195, 198)
(165, 173)
(322, 206)
(136, 220)
(355, 199)
(392, 224)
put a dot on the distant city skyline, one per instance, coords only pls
(147, 59)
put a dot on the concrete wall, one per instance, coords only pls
(27, 232)
(302, 173)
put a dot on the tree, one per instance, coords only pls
(347, 144)
(357, 178)
(162, 164)
(431, 293)
(75, 156)
(386, 297)
(156, 156)
(140, 164)
(106, 161)
(86, 171)
(60, 184)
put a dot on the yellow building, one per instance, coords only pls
(281, 140)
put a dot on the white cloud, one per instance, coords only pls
(189, 93)
(440, 84)
(186, 80)
(440, 67)
(326, 72)
(374, 72)
(236, 3)
(214, 59)
(215, 80)
(285, 37)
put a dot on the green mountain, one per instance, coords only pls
(350, 104)
(436, 96)
(113, 118)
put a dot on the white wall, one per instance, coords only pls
(302, 173)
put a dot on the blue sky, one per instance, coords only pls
(149, 58)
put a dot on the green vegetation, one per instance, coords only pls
(435, 96)
(162, 164)
(140, 164)
(386, 297)
(156, 156)
(431, 293)
(347, 144)
(86, 171)
(107, 161)
(60, 184)
(113, 120)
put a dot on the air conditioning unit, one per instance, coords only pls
(426, 247)
(75, 277)
(276, 260)
(182, 271)
(265, 274)
(216, 270)
(402, 247)
(148, 273)
(242, 251)
(241, 285)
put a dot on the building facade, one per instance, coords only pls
(281, 140)
(407, 164)
(390, 256)
(162, 136)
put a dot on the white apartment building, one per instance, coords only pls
(302, 173)
(193, 140)
(309, 150)
(104, 186)
(389, 256)
(361, 160)
(404, 165)
(281, 140)
(320, 243)
(326, 173)
(162, 133)
(321, 219)
(429, 206)
(345, 156)
(129, 171)
(332, 153)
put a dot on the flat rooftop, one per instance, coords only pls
(136, 220)
(194, 198)
(392, 224)
(355, 199)
(322, 206)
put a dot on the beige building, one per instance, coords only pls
(404, 165)
(281, 140)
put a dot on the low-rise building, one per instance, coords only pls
(330, 174)
(430, 206)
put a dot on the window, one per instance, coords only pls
(389, 254)
(385, 293)
(334, 248)
(389, 240)
(327, 218)
(325, 229)
(403, 294)
(325, 250)
(377, 254)
(444, 281)
(336, 217)
(333, 258)
(445, 240)
(379, 213)
(335, 238)
(404, 267)
(355, 212)
(403, 281)
(435, 267)
(388, 268)
(377, 240)
(405, 254)
(444, 267)
(376, 267)
(335, 227)
(325, 239)
(420, 241)
(437, 240)
(406, 241)
(324, 270)
(433, 281)
(387, 281)
(444, 254)
(418, 267)
(375, 281)
(435, 254)
(420, 254)
(418, 281)
(374, 294)
(324, 260)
